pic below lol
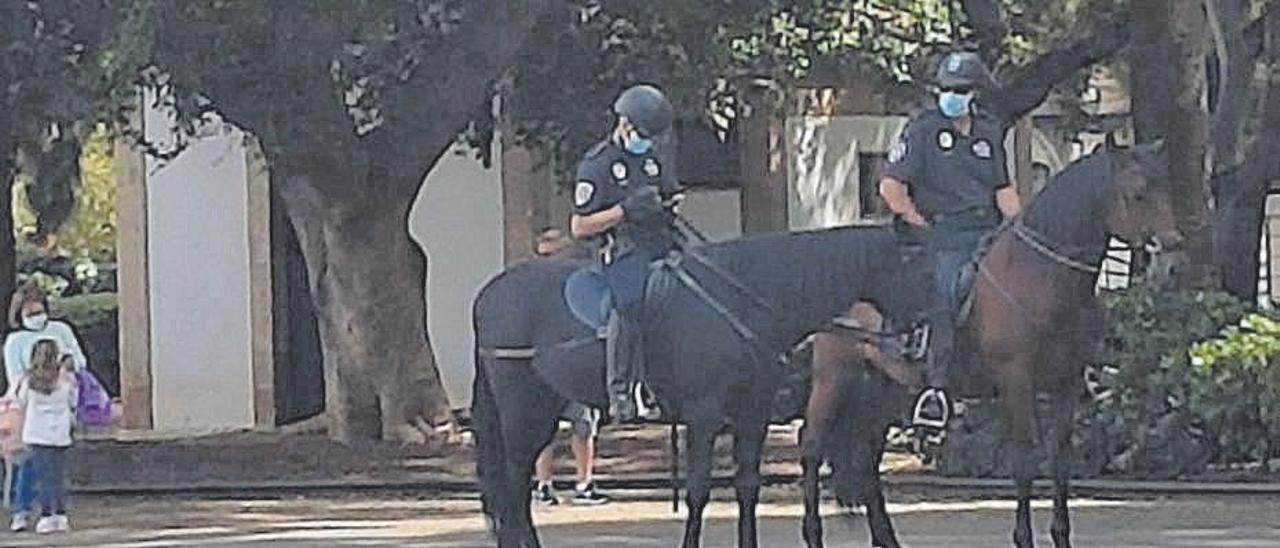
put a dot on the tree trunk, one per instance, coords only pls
(1169, 55)
(8, 157)
(367, 276)
(1230, 92)
(1239, 197)
(8, 251)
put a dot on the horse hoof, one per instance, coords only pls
(1024, 540)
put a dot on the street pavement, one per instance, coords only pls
(398, 520)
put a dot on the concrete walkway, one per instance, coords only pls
(405, 521)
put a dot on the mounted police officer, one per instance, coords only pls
(947, 181)
(621, 196)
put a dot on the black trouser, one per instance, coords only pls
(952, 244)
(627, 339)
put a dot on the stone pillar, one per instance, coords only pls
(1023, 176)
(762, 147)
(133, 290)
(261, 291)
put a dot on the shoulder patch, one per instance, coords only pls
(583, 192)
(898, 152)
(946, 141)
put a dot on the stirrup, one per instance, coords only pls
(936, 424)
(643, 410)
(917, 342)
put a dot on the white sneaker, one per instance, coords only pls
(62, 523)
(47, 525)
(20, 522)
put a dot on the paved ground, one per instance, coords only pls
(402, 521)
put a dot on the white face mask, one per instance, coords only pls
(36, 322)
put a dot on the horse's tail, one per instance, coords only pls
(491, 453)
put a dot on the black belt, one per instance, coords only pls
(973, 214)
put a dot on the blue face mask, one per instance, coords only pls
(636, 144)
(954, 105)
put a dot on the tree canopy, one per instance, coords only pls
(353, 101)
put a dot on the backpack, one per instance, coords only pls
(94, 405)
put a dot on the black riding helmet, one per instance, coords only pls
(646, 108)
(964, 70)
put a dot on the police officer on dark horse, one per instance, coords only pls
(623, 197)
(947, 182)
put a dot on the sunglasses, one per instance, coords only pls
(959, 89)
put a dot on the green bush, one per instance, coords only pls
(86, 311)
(1155, 393)
(1237, 380)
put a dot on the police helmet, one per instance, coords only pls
(964, 69)
(646, 108)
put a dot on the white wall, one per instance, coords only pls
(198, 253)
(457, 219)
(715, 213)
(823, 178)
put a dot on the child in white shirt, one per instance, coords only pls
(49, 394)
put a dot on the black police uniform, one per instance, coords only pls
(953, 179)
(606, 176)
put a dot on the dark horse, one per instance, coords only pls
(718, 321)
(1031, 296)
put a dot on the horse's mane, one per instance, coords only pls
(807, 275)
(1070, 205)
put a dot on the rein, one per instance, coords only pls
(690, 232)
(1044, 245)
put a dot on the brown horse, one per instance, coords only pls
(1033, 288)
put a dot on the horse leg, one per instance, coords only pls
(882, 532)
(704, 424)
(1018, 395)
(1064, 421)
(823, 408)
(528, 425)
(748, 441)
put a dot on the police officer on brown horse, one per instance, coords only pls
(947, 179)
(622, 197)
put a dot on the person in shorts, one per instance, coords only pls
(585, 428)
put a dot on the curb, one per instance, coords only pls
(651, 482)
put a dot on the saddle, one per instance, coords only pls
(586, 292)
(969, 274)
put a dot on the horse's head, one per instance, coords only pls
(1139, 209)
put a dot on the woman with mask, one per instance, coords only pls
(29, 324)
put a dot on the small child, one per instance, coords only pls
(49, 393)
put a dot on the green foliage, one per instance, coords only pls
(90, 232)
(52, 285)
(1239, 376)
(86, 311)
(709, 55)
(1164, 368)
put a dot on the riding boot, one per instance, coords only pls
(624, 330)
(933, 407)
